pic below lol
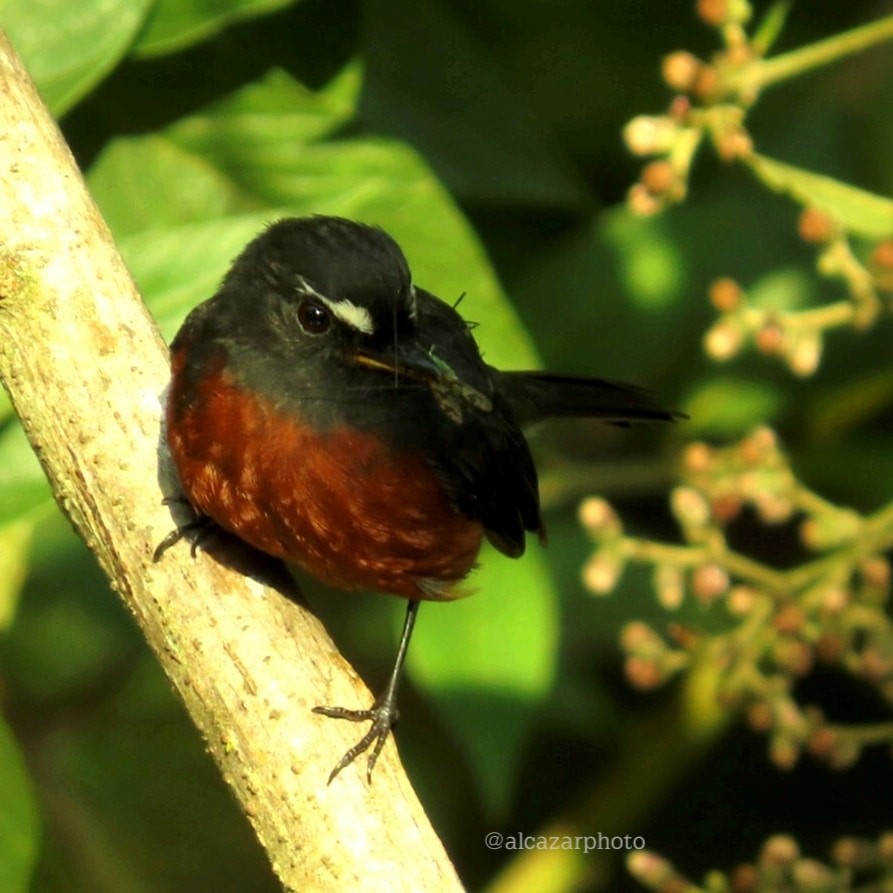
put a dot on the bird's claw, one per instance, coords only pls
(382, 714)
(196, 531)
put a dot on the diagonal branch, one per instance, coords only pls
(86, 369)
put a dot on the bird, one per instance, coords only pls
(329, 412)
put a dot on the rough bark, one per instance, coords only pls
(86, 370)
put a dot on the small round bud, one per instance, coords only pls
(723, 340)
(713, 12)
(835, 599)
(764, 443)
(792, 656)
(815, 226)
(680, 70)
(876, 665)
(773, 508)
(784, 752)
(823, 742)
(739, 54)
(829, 648)
(804, 352)
(790, 618)
(733, 144)
(789, 718)
(725, 294)
(642, 673)
(770, 338)
(706, 84)
(885, 846)
(882, 264)
(760, 717)
(852, 852)
(779, 850)
(669, 583)
(641, 202)
(649, 869)
(690, 507)
(650, 135)
(598, 516)
(725, 508)
(659, 177)
(680, 109)
(708, 582)
(744, 878)
(741, 601)
(882, 255)
(697, 457)
(637, 637)
(602, 571)
(875, 573)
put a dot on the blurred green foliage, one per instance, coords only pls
(485, 137)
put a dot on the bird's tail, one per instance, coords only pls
(539, 395)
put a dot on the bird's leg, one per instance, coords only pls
(382, 714)
(195, 531)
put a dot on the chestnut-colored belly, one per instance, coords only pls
(338, 504)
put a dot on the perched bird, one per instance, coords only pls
(329, 412)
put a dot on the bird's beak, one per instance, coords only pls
(410, 361)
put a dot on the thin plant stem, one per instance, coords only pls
(824, 52)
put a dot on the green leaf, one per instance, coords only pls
(19, 828)
(15, 541)
(120, 182)
(488, 660)
(25, 499)
(69, 47)
(6, 410)
(266, 152)
(177, 24)
(858, 211)
(269, 120)
(651, 267)
(729, 406)
(23, 486)
(784, 289)
(245, 153)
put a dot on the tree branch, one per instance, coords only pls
(86, 370)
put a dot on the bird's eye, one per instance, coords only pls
(314, 317)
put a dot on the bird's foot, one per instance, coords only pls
(196, 531)
(382, 714)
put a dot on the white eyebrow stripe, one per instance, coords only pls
(349, 313)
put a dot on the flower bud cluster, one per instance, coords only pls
(671, 143)
(855, 864)
(602, 571)
(797, 336)
(780, 625)
(752, 472)
(773, 333)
